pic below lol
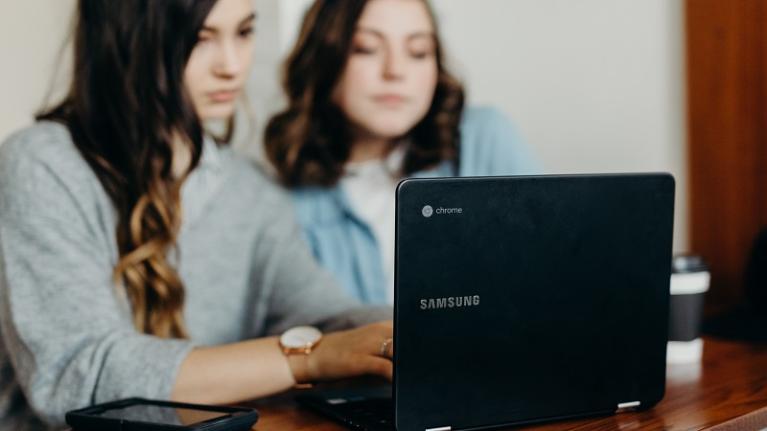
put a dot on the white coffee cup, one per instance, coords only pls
(690, 280)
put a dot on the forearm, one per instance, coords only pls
(356, 317)
(233, 372)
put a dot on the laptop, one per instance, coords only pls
(521, 300)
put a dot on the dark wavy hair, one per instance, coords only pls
(126, 109)
(309, 142)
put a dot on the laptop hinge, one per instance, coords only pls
(622, 407)
(439, 429)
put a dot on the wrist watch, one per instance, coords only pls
(300, 340)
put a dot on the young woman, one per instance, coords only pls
(369, 103)
(136, 254)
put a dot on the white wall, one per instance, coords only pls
(594, 85)
(276, 29)
(32, 34)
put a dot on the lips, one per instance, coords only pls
(390, 99)
(223, 96)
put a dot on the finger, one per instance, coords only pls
(378, 366)
(385, 328)
(382, 347)
(388, 349)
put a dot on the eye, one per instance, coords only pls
(421, 49)
(247, 32)
(204, 37)
(363, 50)
(365, 44)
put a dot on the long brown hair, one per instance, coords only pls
(126, 109)
(309, 142)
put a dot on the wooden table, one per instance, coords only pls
(730, 382)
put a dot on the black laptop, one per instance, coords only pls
(521, 300)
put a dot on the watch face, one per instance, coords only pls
(300, 336)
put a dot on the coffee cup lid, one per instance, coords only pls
(685, 263)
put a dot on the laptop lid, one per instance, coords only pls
(522, 299)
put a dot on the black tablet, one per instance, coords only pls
(139, 414)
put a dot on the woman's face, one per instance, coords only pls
(389, 80)
(218, 67)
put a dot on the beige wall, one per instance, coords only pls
(594, 85)
(32, 33)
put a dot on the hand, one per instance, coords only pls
(344, 354)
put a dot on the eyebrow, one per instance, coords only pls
(380, 35)
(247, 19)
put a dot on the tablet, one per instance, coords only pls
(141, 414)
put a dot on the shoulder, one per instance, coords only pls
(492, 145)
(483, 116)
(271, 207)
(313, 205)
(44, 141)
(251, 178)
(43, 147)
(318, 206)
(40, 167)
(486, 123)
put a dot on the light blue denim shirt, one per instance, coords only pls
(346, 246)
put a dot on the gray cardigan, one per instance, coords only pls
(66, 337)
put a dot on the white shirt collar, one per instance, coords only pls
(392, 163)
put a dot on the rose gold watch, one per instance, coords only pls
(299, 342)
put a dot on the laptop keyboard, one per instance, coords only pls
(370, 414)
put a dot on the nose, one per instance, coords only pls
(228, 63)
(394, 65)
